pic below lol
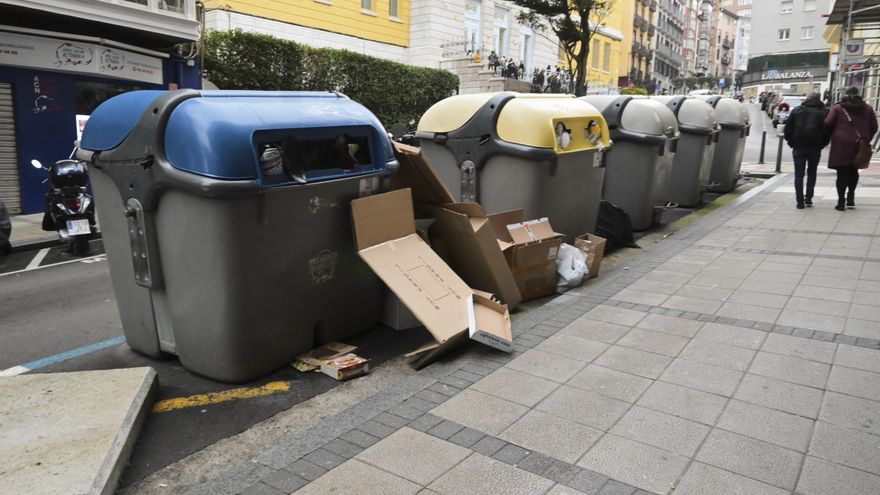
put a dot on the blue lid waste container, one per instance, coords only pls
(692, 164)
(735, 126)
(637, 171)
(539, 152)
(227, 225)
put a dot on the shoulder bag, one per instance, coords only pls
(863, 151)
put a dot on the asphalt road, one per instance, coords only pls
(761, 122)
(65, 303)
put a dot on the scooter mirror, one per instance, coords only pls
(36, 164)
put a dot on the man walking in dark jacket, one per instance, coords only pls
(804, 134)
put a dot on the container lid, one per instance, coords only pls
(216, 133)
(524, 119)
(695, 116)
(635, 117)
(729, 112)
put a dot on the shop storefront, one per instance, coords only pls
(793, 80)
(49, 85)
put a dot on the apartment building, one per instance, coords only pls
(59, 59)
(668, 43)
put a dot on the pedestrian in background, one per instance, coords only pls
(849, 123)
(805, 134)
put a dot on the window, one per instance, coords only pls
(501, 33)
(809, 5)
(172, 5)
(745, 2)
(392, 8)
(595, 53)
(606, 65)
(784, 34)
(745, 13)
(472, 20)
(807, 33)
(367, 4)
(787, 6)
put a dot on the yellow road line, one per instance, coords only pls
(218, 397)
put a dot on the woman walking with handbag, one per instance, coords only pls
(851, 125)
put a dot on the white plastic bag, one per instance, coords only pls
(571, 268)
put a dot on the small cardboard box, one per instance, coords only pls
(386, 239)
(531, 248)
(594, 246)
(345, 366)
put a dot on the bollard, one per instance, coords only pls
(779, 155)
(763, 144)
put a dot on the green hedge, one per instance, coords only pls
(788, 60)
(634, 91)
(394, 92)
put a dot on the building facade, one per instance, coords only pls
(59, 59)
(668, 44)
(639, 32)
(723, 44)
(691, 37)
(787, 52)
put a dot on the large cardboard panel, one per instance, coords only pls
(416, 174)
(537, 280)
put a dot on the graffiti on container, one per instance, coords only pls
(316, 203)
(323, 266)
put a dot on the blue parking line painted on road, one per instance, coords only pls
(64, 356)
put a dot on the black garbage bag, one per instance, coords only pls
(615, 226)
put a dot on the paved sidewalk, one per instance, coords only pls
(739, 356)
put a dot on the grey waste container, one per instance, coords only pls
(734, 120)
(692, 164)
(227, 225)
(645, 133)
(541, 153)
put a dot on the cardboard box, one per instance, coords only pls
(386, 239)
(464, 236)
(530, 248)
(594, 246)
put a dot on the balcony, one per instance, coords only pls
(653, 5)
(173, 20)
(726, 43)
(651, 31)
(725, 60)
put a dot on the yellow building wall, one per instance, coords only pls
(597, 74)
(623, 15)
(337, 16)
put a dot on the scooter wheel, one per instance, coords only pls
(6, 248)
(81, 246)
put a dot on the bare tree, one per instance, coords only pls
(574, 22)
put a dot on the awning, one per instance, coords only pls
(864, 11)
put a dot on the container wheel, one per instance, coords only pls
(81, 246)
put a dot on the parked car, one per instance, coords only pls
(5, 229)
(784, 108)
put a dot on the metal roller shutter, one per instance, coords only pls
(9, 187)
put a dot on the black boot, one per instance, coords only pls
(840, 205)
(851, 199)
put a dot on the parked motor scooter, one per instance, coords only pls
(70, 209)
(5, 229)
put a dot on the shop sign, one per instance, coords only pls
(74, 56)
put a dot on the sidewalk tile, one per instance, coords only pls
(769, 425)
(865, 297)
(683, 402)
(702, 292)
(480, 411)
(690, 304)
(703, 479)
(586, 408)
(845, 446)
(616, 488)
(357, 477)
(640, 297)
(857, 383)
(633, 361)
(731, 335)
(611, 383)
(812, 321)
(488, 445)
(545, 365)
(656, 287)
(305, 469)
(620, 316)
(790, 369)
(865, 312)
(778, 288)
(851, 412)
(862, 328)
(772, 266)
(573, 347)
(671, 325)
(858, 358)
(707, 378)
(414, 456)
(564, 490)
(588, 481)
(651, 341)
(824, 478)
(813, 350)
(824, 293)
(726, 356)
(830, 281)
(601, 331)
(634, 463)
(260, 488)
(284, 481)
(820, 306)
(551, 435)
(751, 458)
(661, 430)
(536, 463)
(511, 454)
(480, 475)
(784, 396)
(758, 299)
(748, 312)
(768, 276)
(515, 386)
(561, 472)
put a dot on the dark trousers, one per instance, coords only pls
(847, 178)
(805, 160)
